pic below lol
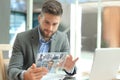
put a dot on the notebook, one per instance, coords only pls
(105, 64)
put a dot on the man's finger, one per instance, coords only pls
(75, 60)
(33, 66)
(70, 56)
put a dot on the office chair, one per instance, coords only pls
(3, 67)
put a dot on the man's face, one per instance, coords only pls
(48, 24)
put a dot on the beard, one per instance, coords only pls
(46, 33)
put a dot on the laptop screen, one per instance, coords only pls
(105, 64)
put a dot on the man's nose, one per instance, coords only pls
(50, 27)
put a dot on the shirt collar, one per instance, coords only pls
(40, 36)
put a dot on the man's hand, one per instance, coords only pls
(34, 73)
(69, 63)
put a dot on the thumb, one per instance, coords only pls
(75, 60)
(33, 66)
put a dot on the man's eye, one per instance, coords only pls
(55, 24)
(47, 22)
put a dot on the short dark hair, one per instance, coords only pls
(52, 7)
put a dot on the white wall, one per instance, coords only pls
(4, 21)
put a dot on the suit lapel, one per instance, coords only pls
(35, 42)
(52, 46)
(53, 43)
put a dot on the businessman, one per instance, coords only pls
(44, 38)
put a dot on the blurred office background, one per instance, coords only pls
(96, 20)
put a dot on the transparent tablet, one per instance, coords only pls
(53, 61)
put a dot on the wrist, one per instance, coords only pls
(22, 75)
(70, 70)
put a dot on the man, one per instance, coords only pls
(44, 38)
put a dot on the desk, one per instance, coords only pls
(55, 76)
(82, 76)
(85, 76)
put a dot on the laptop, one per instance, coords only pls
(106, 63)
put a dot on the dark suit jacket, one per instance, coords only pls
(25, 49)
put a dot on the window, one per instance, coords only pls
(17, 18)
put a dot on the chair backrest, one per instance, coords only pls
(3, 47)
